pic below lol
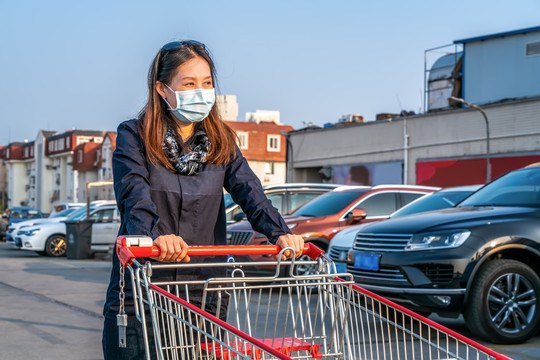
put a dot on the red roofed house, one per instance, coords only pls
(265, 148)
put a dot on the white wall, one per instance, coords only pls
(260, 167)
(17, 182)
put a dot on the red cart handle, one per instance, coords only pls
(131, 247)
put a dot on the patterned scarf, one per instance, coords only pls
(190, 163)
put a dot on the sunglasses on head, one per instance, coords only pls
(177, 44)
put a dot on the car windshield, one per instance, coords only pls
(328, 204)
(517, 188)
(65, 212)
(78, 214)
(25, 214)
(434, 201)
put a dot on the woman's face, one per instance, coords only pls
(193, 74)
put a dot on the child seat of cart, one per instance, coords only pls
(284, 345)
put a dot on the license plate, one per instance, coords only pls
(341, 268)
(367, 261)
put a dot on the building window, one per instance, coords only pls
(7, 153)
(32, 151)
(269, 168)
(50, 146)
(80, 156)
(61, 144)
(533, 49)
(67, 142)
(273, 143)
(26, 152)
(98, 154)
(242, 140)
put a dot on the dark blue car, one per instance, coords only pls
(21, 213)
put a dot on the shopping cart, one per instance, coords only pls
(319, 316)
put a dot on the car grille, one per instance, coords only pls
(388, 273)
(338, 253)
(239, 237)
(438, 273)
(381, 242)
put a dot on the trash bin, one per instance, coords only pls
(79, 237)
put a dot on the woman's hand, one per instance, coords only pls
(294, 241)
(172, 249)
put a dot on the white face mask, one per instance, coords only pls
(193, 106)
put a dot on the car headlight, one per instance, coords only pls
(438, 240)
(31, 232)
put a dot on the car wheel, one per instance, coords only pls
(56, 246)
(307, 269)
(503, 302)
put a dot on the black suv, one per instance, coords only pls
(480, 258)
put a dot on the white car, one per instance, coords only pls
(343, 241)
(14, 228)
(50, 239)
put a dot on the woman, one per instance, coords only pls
(170, 167)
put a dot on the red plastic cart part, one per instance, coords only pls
(283, 345)
(127, 253)
(259, 345)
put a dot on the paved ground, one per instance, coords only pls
(51, 309)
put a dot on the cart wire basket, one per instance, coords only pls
(323, 315)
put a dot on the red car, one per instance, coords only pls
(320, 219)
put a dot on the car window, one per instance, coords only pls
(300, 198)
(518, 188)
(103, 215)
(409, 197)
(382, 204)
(277, 202)
(434, 201)
(232, 213)
(25, 214)
(227, 198)
(328, 204)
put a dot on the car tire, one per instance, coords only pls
(55, 246)
(301, 270)
(503, 306)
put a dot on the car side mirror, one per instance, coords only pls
(239, 217)
(358, 215)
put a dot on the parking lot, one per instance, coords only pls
(52, 308)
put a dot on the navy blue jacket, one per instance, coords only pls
(155, 201)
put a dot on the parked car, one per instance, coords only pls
(480, 258)
(284, 197)
(50, 239)
(16, 227)
(445, 198)
(3, 229)
(18, 214)
(320, 219)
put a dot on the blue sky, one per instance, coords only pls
(83, 64)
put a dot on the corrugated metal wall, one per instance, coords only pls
(498, 68)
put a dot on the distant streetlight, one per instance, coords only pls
(476, 107)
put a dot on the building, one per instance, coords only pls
(105, 165)
(228, 107)
(264, 146)
(17, 179)
(3, 180)
(447, 145)
(65, 180)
